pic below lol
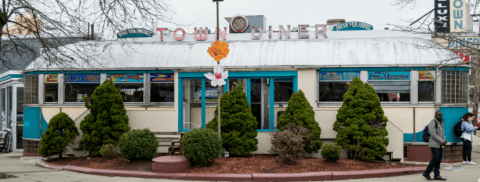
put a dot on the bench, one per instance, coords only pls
(174, 149)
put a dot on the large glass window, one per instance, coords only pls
(129, 85)
(78, 86)
(391, 86)
(454, 86)
(162, 88)
(333, 85)
(51, 88)
(283, 90)
(211, 92)
(426, 86)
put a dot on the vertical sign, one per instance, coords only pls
(442, 15)
(458, 15)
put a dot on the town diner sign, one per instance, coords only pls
(200, 35)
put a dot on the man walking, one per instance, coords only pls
(437, 142)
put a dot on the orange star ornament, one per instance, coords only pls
(218, 50)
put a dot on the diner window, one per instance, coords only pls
(51, 88)
(454, 86)
(129, 85)
(162, 88)
(333, 85)
(283, 90)
(211, 92)
(426, 86)
(391, 86)
(78, 86)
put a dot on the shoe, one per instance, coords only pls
(427, 177)
(465, 162)
(471, 163)
(439, 178)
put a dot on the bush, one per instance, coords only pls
(331, 151)
(108, 150)
(201, 146)
(107, 119)
(238, 124)
(289, 143)
(300, 113)
(138, 144)
(361, 123)
(60, 132)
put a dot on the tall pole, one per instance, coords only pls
(219, 87)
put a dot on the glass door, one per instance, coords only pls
(19, 117)
(260, 102)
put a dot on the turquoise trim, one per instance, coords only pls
(225, 87)
(295, 84)
(180, 105)
(10, 77)
(100, 71)
(451, 115)
(249, 92)
(203, 103)
(408, 137)
(31, 122)
(242, 74)
(272, 108)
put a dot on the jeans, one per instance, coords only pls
(467, 150)
(437, 154)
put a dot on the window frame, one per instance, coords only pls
(410, 80)
(317, 78)
(65, 87)
(143, 83)
(51, 83)
(148, 93)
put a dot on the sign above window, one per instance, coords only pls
(161, 77)
(126, 78)
(82, 78)
(51, 78)
(389, 75)
(353, 25)
(338, 75)
(425, 76)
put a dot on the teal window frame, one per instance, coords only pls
(234, 75)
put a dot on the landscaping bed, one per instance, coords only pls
(234, 165)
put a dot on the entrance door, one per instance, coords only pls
(260, 102)
(19, 117)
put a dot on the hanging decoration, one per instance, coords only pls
(218, 50)
(218, 77)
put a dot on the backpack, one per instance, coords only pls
(426, 134)
(457, 129)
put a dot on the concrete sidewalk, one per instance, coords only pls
(24, 169)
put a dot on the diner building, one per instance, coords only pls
(161, 77)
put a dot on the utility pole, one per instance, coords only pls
(219, 87)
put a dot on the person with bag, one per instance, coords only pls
(467, 128)
(436, 143)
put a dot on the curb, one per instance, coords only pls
(308, 176)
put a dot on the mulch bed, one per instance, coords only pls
(234, 165)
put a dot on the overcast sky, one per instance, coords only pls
(379, 13)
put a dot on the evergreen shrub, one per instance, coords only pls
(289, 144)
(361, 123)
(107, 150)
(60, 132)
(138, 144)
(201, 146)
(238, 125)
(107, 119)
(331, 151)
(300, 112)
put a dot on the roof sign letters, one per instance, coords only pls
(134, 33)
(353, 25)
